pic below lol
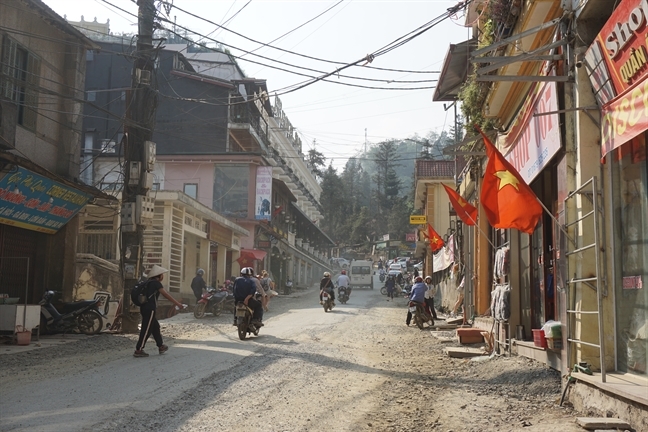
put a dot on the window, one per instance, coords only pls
(19, 80)
(156, 187)
(91, 96)
(191, 189)
(231, 190)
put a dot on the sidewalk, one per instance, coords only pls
(46, 341)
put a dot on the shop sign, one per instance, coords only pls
(632, 282)
(617, 63)
(418, 219)
(262, 208)
(410, 237)
(236, 242)
(34, 202)
(220, 234)
(534, 136)
(264, 244)
(381, 245)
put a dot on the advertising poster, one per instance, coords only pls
(263, 207)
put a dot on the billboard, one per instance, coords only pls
(34, 202)
(263, 202)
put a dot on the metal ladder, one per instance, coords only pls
(588, 190)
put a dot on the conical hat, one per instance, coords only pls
(156, 271)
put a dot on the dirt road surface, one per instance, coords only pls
(357, 368)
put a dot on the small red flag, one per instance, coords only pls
(466, 211)
(436, 242)
(507, 200)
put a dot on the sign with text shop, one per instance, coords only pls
(617, 64)
(34, 202)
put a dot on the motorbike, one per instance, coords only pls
(343, 295)
(82, 316)
(288, 287)
(382, 277)
(212, 301)
(244, 322)
(328, 301)
(419, 314)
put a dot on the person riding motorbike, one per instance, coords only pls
(327, 284)
(391, 287)
(417, 295)
(244, 289)
(344, 281)
(198, 284)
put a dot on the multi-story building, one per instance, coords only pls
(219, 150)
(562, 82)
(42, 72)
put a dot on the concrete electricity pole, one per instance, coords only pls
(139, 158)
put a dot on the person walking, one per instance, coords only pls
(429, 297)
(198, 284)
(390, 284)
(150, 324)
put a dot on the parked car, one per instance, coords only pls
(340, 262)
(419, 266)
(396, 268)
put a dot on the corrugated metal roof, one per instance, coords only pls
(434, 168)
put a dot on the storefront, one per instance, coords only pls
(616, 64)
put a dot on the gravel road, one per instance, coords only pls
(357, 368)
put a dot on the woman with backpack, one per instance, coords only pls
(150, 324)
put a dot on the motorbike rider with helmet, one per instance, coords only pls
(198, 284)
(344, 281)
(327, 284)
(244, 289)
(429, 297)
(417, 295)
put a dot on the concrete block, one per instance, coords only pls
(593, 423)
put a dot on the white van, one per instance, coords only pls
(361, 274)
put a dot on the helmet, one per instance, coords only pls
(343, 272)
(246, 271)
(327, 274)
(419, 279)
(200, 272)
(428, 278)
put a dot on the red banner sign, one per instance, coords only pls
(618, 66)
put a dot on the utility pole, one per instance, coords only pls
(139, 159)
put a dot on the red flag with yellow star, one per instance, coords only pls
(436, 242)
(466, 211)
(507, 200)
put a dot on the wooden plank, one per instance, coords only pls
(464, 352)
(457, 320)
(592, 423)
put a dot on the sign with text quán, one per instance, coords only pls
(34, 202)
(617, 64)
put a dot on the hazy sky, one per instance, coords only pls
(334, 115)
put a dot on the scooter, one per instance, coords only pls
(212, 301)
(343, 295)
(82, 316)
(327, 301)
(288, 287)
(244, 322)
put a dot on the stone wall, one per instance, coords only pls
(96, 274)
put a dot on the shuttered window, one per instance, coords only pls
(19, 80)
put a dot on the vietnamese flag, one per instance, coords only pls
(436, 242)
(466, 211)
(508, 201)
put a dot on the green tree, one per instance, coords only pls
(316, 161)
(332, 199)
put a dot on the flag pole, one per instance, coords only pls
(482, 232)
(555, 220)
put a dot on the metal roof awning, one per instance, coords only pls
(310, 221)
(454, 71)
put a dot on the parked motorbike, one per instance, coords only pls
(244, 322)
(343, 295)
(212, 301)
(328, 301)
(82, 316)
(419, 314)
(288, 287)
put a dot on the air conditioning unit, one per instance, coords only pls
(8, 119)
